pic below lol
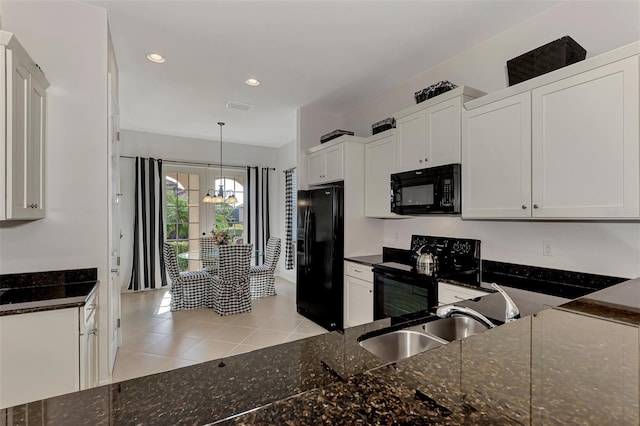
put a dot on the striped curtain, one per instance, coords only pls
(148, 271)
(289, 210)
(257, 212)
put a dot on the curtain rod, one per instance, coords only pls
(196, 163)
(292, 168)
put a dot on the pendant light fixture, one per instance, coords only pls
(219, 197)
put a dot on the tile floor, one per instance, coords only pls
(154, 339)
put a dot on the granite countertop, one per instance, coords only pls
(562, 365)
(41, 291)
(370, 260)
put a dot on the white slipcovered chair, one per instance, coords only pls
(261, 277)
(231, 293)
(189, 290)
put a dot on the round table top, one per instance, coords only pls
(195, 255)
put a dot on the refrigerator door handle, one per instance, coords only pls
(307, 237)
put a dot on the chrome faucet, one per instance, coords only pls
(447, 311)
(511, 312)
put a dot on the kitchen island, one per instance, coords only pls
(576, 363)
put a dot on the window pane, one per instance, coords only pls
(194, 182)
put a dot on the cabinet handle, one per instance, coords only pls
(426, 159)
(524, 207)
(535, 206)
(33, 206)
(93, 331)
(459, 298)
(420, 160)
(358, 270)
(370, 291)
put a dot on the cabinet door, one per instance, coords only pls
(411, 132)
(379, 163)
(496, 159)
(358, 301)
(316, 167)
(38, 355)
(585, 144)
(334, 163)
(89, 355)
(443, 133)
(35, 150)
(448, 293)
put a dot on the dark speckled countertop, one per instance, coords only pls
(565, 365)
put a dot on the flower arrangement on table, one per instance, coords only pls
(221, 236)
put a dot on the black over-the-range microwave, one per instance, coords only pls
(435, 190)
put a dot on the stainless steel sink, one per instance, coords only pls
(399, 344)
(454, 328)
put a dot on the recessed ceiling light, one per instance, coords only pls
(253, 82)
(156, 57)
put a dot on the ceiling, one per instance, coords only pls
(333, 55)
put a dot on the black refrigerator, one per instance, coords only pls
(320, 256)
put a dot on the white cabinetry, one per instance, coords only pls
(567, 147)
(358, 294)
(428, 134)
(39, 355)
(379, 164)
(327, 164)
(496, 159)
(23, 116)
(89, 344)
(450, 293)
(48, 353)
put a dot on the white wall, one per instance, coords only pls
(596, 26)
(69, 42)
(287, 155)
(611, 248)
(134, 143)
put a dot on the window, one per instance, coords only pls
(182, 209)
(229, 217)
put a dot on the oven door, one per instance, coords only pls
(398, 294)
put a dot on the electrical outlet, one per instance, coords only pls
(547, 248)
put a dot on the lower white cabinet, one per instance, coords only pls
(450, 293)
(358, 294)
(39, 355)
(48, 353)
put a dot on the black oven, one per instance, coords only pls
(435, 190)
(398, 291)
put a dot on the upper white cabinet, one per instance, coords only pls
(379, 164)
(585, 144)
(23, 115)
(566, 147)
(428, 134)
(326, 164)
(496, 159)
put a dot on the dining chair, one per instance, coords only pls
(231, 292)
(209, 255)
(189, 290)
(261, 277)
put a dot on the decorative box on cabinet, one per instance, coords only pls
(565, 145)
(23, 116)
(379, 164)
(428, 134)
(358, 294)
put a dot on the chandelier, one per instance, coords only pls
(219, 196)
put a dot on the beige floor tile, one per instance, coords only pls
(240, 349)
(309, 327)
(208, 350)
(281, 324)
(156, 339)
(230, 333)
(173, 345)
(141, 341)
(263, 338)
